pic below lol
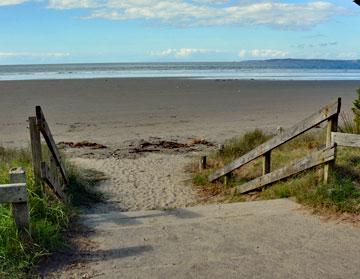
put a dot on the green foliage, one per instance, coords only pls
(239, 146)
(351, 124)
(200, 180)
(19, 253)
(348, 124)
(356, 109)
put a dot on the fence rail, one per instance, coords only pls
(42, 171)
(329, 113)
(332, 110)
(313, 160)
(16, 194)
(343, 139)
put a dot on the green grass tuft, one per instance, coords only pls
(239, 146)
(50, 218)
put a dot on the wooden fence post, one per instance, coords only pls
(202, 163)
(35, 149)
(332, 126)
(266, 167)
(20, 210)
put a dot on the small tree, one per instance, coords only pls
(356, 110)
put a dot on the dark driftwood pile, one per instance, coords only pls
(82, 144)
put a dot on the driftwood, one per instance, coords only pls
(159, 145)
(81, 144)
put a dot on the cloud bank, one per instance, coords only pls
(194, 13)
(11, 2)
(34, 54)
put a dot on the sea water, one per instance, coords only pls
(275, 69)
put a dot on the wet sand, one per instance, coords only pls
(111, 111)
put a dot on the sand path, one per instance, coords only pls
(154, 181)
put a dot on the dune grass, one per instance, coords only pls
(50, 218)
(342, 194)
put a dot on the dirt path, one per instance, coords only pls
(267, 239)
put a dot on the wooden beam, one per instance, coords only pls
(21, 211)
(52, 181)
(332, 126)
(343, 139)
(315, 159)
(15, 192)
(45, 130)
(36, 151)
(315, 119)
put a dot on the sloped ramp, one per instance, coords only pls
(266, 239)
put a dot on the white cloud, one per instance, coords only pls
(73, 4)
(209, 12)
(11, 2)
(34, 54)
(182, 52)
(268, 53)
(242, 52)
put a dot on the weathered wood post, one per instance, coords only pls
(227, 179)
(202, 163)
(266, 166)
(332, 126)
(20, 210)
(35, 149)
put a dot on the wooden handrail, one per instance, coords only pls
(16, 194)
(45, 131)
(326, 113)
(313, 160)
(344, 139)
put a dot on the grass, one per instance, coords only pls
(50, 218)
(348, 125)
(341, 194)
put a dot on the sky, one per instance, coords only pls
(95, 31)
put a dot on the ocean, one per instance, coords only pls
(274, 69)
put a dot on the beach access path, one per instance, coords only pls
(269, 239)
(262, 239)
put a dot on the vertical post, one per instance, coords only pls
(20, 210)
(202, 163)
(332, 126)
(266, 166)
(227, 179)
(35, 149)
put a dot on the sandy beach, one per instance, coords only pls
(121, 113)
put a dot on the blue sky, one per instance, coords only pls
(70, 31)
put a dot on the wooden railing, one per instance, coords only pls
(16, 194)
(329, 113)
(347, 140)
(42, 171)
